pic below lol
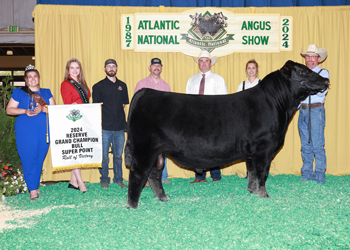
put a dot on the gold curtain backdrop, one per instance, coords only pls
(92, 34)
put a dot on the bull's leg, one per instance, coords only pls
(252, 178)
(137, 178)
(262, 169)
(262, 189)
(155, 179)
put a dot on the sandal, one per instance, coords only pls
(34, 198)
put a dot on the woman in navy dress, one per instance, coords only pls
(31, 127)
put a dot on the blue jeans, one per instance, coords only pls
(214, 173)
(165, 171)
(314, 149)
(116, 138)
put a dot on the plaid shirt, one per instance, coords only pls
(148, 82)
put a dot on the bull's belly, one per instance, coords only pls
(202, 162)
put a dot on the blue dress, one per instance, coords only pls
(31, 138)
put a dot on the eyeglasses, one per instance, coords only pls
(307, 56)
(111, 66)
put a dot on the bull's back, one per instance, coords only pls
(199, 115)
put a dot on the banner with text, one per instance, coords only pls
(212, 29)
(75, 136)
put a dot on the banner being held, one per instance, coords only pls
(75, 136)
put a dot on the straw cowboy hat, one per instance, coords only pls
(205, 53)
(312, 49)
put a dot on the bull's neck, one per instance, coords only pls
(279, 93)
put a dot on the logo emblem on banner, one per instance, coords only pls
(74, 115)
(208, 31)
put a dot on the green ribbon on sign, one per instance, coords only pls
(206, 43)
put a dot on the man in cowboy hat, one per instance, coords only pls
(206, 83)
(312, 122)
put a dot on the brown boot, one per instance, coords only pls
(198, 180)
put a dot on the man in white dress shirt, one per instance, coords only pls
(206, 83)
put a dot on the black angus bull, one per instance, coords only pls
(207, 131)
(211, 24)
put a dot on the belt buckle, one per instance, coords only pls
(304, 106)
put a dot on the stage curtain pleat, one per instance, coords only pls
(92, 34)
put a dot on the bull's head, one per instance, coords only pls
(220, 19)
(196, 19)
(309, 82)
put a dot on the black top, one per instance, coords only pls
(113, 95)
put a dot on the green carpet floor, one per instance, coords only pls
(220, 215)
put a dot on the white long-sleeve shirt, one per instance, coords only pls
(214, 84)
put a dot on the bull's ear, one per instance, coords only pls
(287, 68)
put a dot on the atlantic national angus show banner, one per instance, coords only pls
(75, 136)
(215, 30)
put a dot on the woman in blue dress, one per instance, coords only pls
(31, 127)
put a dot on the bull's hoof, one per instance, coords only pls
(133, 205)
(164, 198)
(263, 194)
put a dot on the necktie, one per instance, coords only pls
(201, 86)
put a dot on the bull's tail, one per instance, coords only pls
(127, 154)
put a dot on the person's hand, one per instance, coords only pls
(30, 113)
(36, 111)
(42, 108)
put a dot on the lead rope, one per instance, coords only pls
(309, 118)
(310, 109)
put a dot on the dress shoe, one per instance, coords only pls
(214, 180)
(72, 186)
(198, 180)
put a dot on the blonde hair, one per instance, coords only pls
(81, 74)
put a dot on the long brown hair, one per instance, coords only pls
(81, 74)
